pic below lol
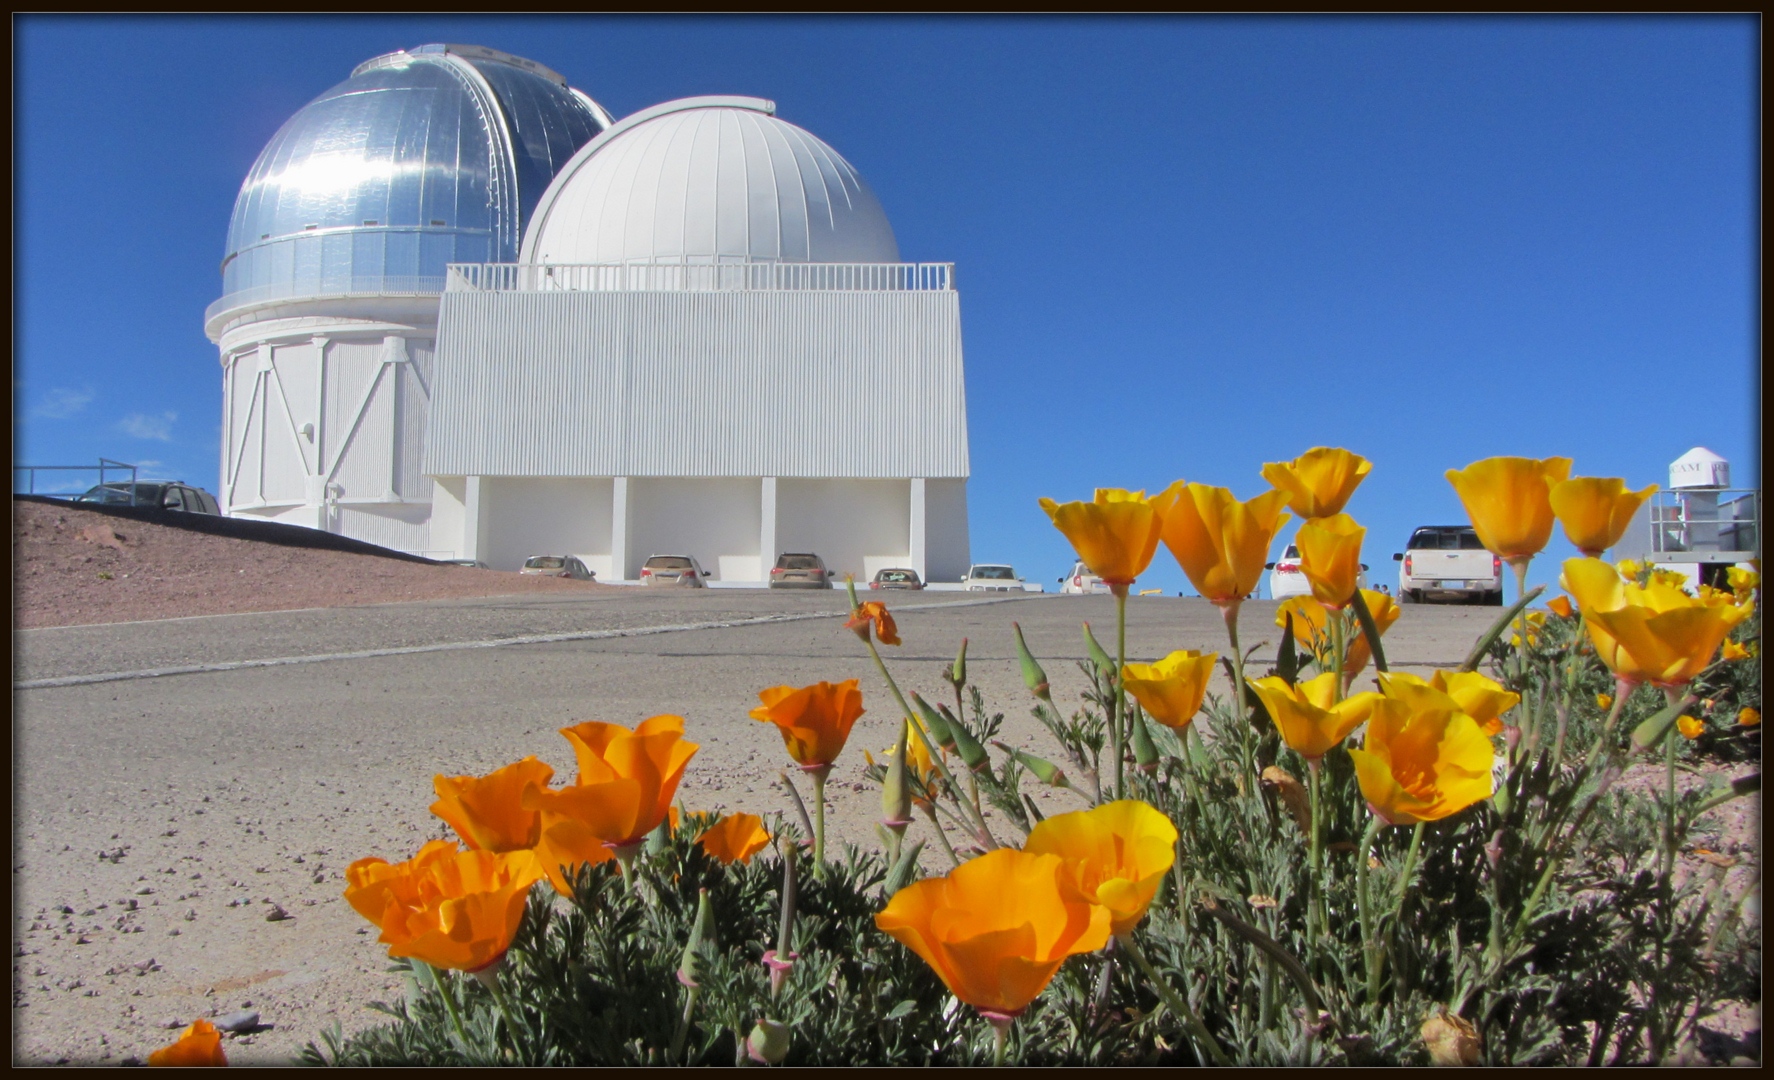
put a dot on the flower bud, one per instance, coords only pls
(1033, 677)
(1103, 661)
(973, 755)
(935, 724)
(690, 966)
(1042, 769)
(957, 672)
(1145, 751)
(768, 1042)
(896, 795)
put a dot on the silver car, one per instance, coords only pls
(983, 577)
(681, 570)
(567, 566)
(800, 571)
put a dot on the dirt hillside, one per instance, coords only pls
(73, 567)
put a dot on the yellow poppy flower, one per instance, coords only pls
(1330, 557)
(487, 811)
(199, 1045)
(1653, 632)
(1509, 501)
(1744, 583)
(1422, 764)
(735, 838)
(1604, 702)
(1115, 855)
(1305, 715)
(1319, 482)
(627, 780)
(875, 612)
(1221, 543)
(1310, 621)
(1536, 621)
(1171, 689)
(1115, 534)
(1478, 696)
(1733, 651)
(996, 928)
(450, 908)
(1595, 511)
(815, 720)
(1690, 727)
(1747, 717)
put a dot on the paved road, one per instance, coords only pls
(205, 797)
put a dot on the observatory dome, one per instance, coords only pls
(421, 158)
(708, 180)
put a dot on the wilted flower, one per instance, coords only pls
(1422, 759)
(1305, 715)
(1691, 727)
(1747, 717)
(875, 612)
(1115, 534)
(997, 927)
(487, 811)
(1116, 855)
(1509, 500)
(1220, 542)
(815, 720)
(1171, 689)
(1654, 632)
(1595, 511)
(735, 838)
(1330, 557)
(1293, 795)
(199, 1044)
(1451, 1039)
(626, 782)
(1310, 619)
(449, 908)
(1319, 482)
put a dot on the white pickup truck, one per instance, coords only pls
(1446, 562)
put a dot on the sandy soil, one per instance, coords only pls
(75, 567)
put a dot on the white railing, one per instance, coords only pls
(372, 285)
(689, 277)
(1718, 519)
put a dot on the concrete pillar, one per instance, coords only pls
(621, 526)
(767, 527)
(474, 519)
(919, 532)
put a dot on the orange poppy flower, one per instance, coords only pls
(1319, 482)
(873, 611)
(487, 811)
(814, 720)
(1115, 534)
(1220, 543)
(997, 927)
(199, 1044)
(735, 838)
(1509, 500)
(450, 908)
(626, 782)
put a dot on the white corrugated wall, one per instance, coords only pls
(789, 384)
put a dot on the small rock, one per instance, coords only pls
(190, 914)
(174, 932)
(244, 1020)
(278, 914)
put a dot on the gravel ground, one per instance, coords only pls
(165, 825)
(74, 567)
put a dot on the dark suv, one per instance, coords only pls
(162, 495)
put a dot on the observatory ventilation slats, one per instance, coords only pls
(732, 383)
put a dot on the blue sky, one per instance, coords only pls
(1184, 246)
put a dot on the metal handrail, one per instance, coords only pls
(701, 277)
(344, 288)
(105, 465)
(1706, 519)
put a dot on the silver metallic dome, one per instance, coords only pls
(421, 158)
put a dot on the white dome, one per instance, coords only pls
(708, 180)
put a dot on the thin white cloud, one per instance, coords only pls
(143, 426)
(61, 403)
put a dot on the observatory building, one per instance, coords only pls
(467, 314)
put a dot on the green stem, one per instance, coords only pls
(1339, 652)
(1668, 859)
(1000, 1032)
(498, 992)
(930, 748)
(449, 1001)
(1240, 709)
(683, 1028)
(1177, 1003)
(942, 837)
(1115, 725)
(1315, 884)
(819, 823)
(1370, 942)
(1410, 866)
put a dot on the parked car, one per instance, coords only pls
(800, 570)
(567, 566)
(1287, 580)
(1082, 582)
(1446, 562)
(990, 577)
(473, 564)
(160, 494)
(896, 578)
(682, 570)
